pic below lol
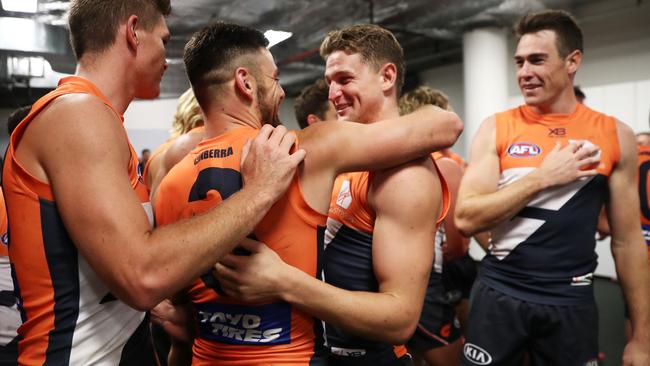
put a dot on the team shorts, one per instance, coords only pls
(501, 328)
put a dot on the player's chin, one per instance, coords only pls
(150, 93)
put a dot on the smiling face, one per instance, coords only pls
(355, 87)
(542, 74)
(151, 63)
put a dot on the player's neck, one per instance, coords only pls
(388, 109)
(227, 116)
(108, 78)
(564, 103)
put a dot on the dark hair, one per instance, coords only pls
(568, 34)
(578, 92)
(313, 99)
(375, 44)
(93, 23)
(16, 117)
(210, 55)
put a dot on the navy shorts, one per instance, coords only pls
(438, 325)
(458, 277)
(501, 328)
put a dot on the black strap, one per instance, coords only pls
(7, 298)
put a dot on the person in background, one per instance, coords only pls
(187, 133)
(312, 105)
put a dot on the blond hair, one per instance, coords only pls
(188, 113)
(421, 96)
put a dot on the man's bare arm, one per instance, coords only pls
(85, 162)
(628, 247)
(407, 202)
(338, 147)
(481, 206)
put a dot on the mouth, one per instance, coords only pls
(341, 109)
(530, 88)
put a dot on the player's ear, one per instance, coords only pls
(244, 82)
(388, 74)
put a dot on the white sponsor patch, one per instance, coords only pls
(348, 352)
(476, 354)
(345, 195)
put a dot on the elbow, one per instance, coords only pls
(401, 334)
(455, 128)
(464, 225)
(142, 293)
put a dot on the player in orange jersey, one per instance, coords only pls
(87, 263)
(538, 177)
(379, 222)
(238, 91)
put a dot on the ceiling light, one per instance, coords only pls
(276, 37)
(23, 6)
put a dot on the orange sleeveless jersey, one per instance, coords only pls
(69, 315)
(545, 254)
(230, 332)
(348, 255)
(644, 192)
(159, 151)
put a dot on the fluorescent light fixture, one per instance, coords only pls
(276, 37)
(23, 6)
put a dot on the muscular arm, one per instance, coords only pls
(628, 247)
(407, 201)
(338, 147)
(85, 159)
(481, 205)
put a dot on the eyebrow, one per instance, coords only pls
(532, 55)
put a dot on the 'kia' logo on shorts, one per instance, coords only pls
(524, 150)
(476, 354)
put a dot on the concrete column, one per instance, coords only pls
(485, 70)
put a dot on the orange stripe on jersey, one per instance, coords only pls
(230, 332)
(49, 280)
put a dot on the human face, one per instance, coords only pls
(151, 63)
(643, 139)
(269, 92)
(543, 75)
(355, 87)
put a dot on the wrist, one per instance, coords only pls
(540, 180)
(287, 282)
(262, 195)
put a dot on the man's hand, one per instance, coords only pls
(252, 278)
(636, 353)
(266, 163)
(174, 319)
(567, 164)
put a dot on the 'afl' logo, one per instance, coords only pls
(523, 150)
(476, 354)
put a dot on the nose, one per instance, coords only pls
(334, 92)
(282, 93)
(524, 71)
